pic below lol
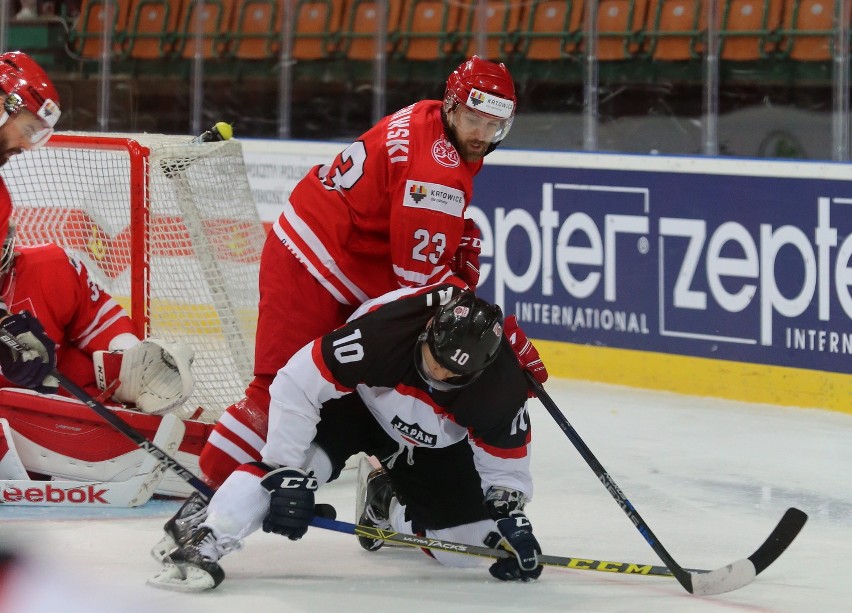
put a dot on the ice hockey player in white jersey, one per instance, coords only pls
(422, 379)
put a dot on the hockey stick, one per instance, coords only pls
(421, 542)
(726, 579)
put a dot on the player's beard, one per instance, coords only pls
(472, 150)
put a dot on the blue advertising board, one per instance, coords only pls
(740, 261)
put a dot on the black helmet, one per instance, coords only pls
(465, 336)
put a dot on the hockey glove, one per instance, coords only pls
(155, 375)
(525, 350)
(31, 367)
(291, 503)
(514, 533)
(466, 261)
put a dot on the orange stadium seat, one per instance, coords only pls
(675, 29)
(550, 29)
(428, 29)
(86, 34)
(808, 29)
(316, 25)
(256, 31)
(747, 28)
(360, 25)
(215, 25)
(151, 26)
(501, 23)
(620, 23)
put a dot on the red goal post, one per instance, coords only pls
(169, 228)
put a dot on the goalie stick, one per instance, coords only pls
(725, 579)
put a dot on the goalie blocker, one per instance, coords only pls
(58, 437)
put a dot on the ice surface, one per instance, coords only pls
(710, 477)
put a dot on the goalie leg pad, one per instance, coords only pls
(11, 466)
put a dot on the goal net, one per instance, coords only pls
(169, 228)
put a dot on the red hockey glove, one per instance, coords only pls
(466, 261)
(525, 350)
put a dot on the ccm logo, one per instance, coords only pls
(77, 495)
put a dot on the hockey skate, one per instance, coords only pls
(192, 567)
(181, 526)
(376, 492)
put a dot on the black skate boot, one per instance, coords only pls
(377, 493)
(192, 567)
(181, 526)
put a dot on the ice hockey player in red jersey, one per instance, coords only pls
(30, 111)
(387, 212)
(423, 379)
(93, 342)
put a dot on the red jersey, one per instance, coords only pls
(75, 311)
(388, 212)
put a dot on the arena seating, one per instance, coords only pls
(632, 34)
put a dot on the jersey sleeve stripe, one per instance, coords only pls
(84, 341)
(319, 362)
(409, 277)
(499, 452)
(105, 311)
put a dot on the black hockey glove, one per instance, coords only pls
(291, 503)
(514, 533)
(31, 367)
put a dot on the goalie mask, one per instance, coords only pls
(464, 337)
(483, 90)
(28, 88)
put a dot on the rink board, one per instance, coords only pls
(726, 277)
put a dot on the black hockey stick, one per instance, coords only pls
(728, 578)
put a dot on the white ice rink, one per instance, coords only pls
(710, 477)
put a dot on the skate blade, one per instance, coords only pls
(182, 579)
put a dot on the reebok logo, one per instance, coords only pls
(49, 494)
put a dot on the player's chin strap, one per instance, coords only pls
(155, 375)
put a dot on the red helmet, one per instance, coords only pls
(485, 87)
(26, 85)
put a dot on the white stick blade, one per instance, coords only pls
(726, 579)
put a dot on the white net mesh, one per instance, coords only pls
(202, 239)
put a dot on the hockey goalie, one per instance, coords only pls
(64, 318)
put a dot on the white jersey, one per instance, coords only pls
(374, 356)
